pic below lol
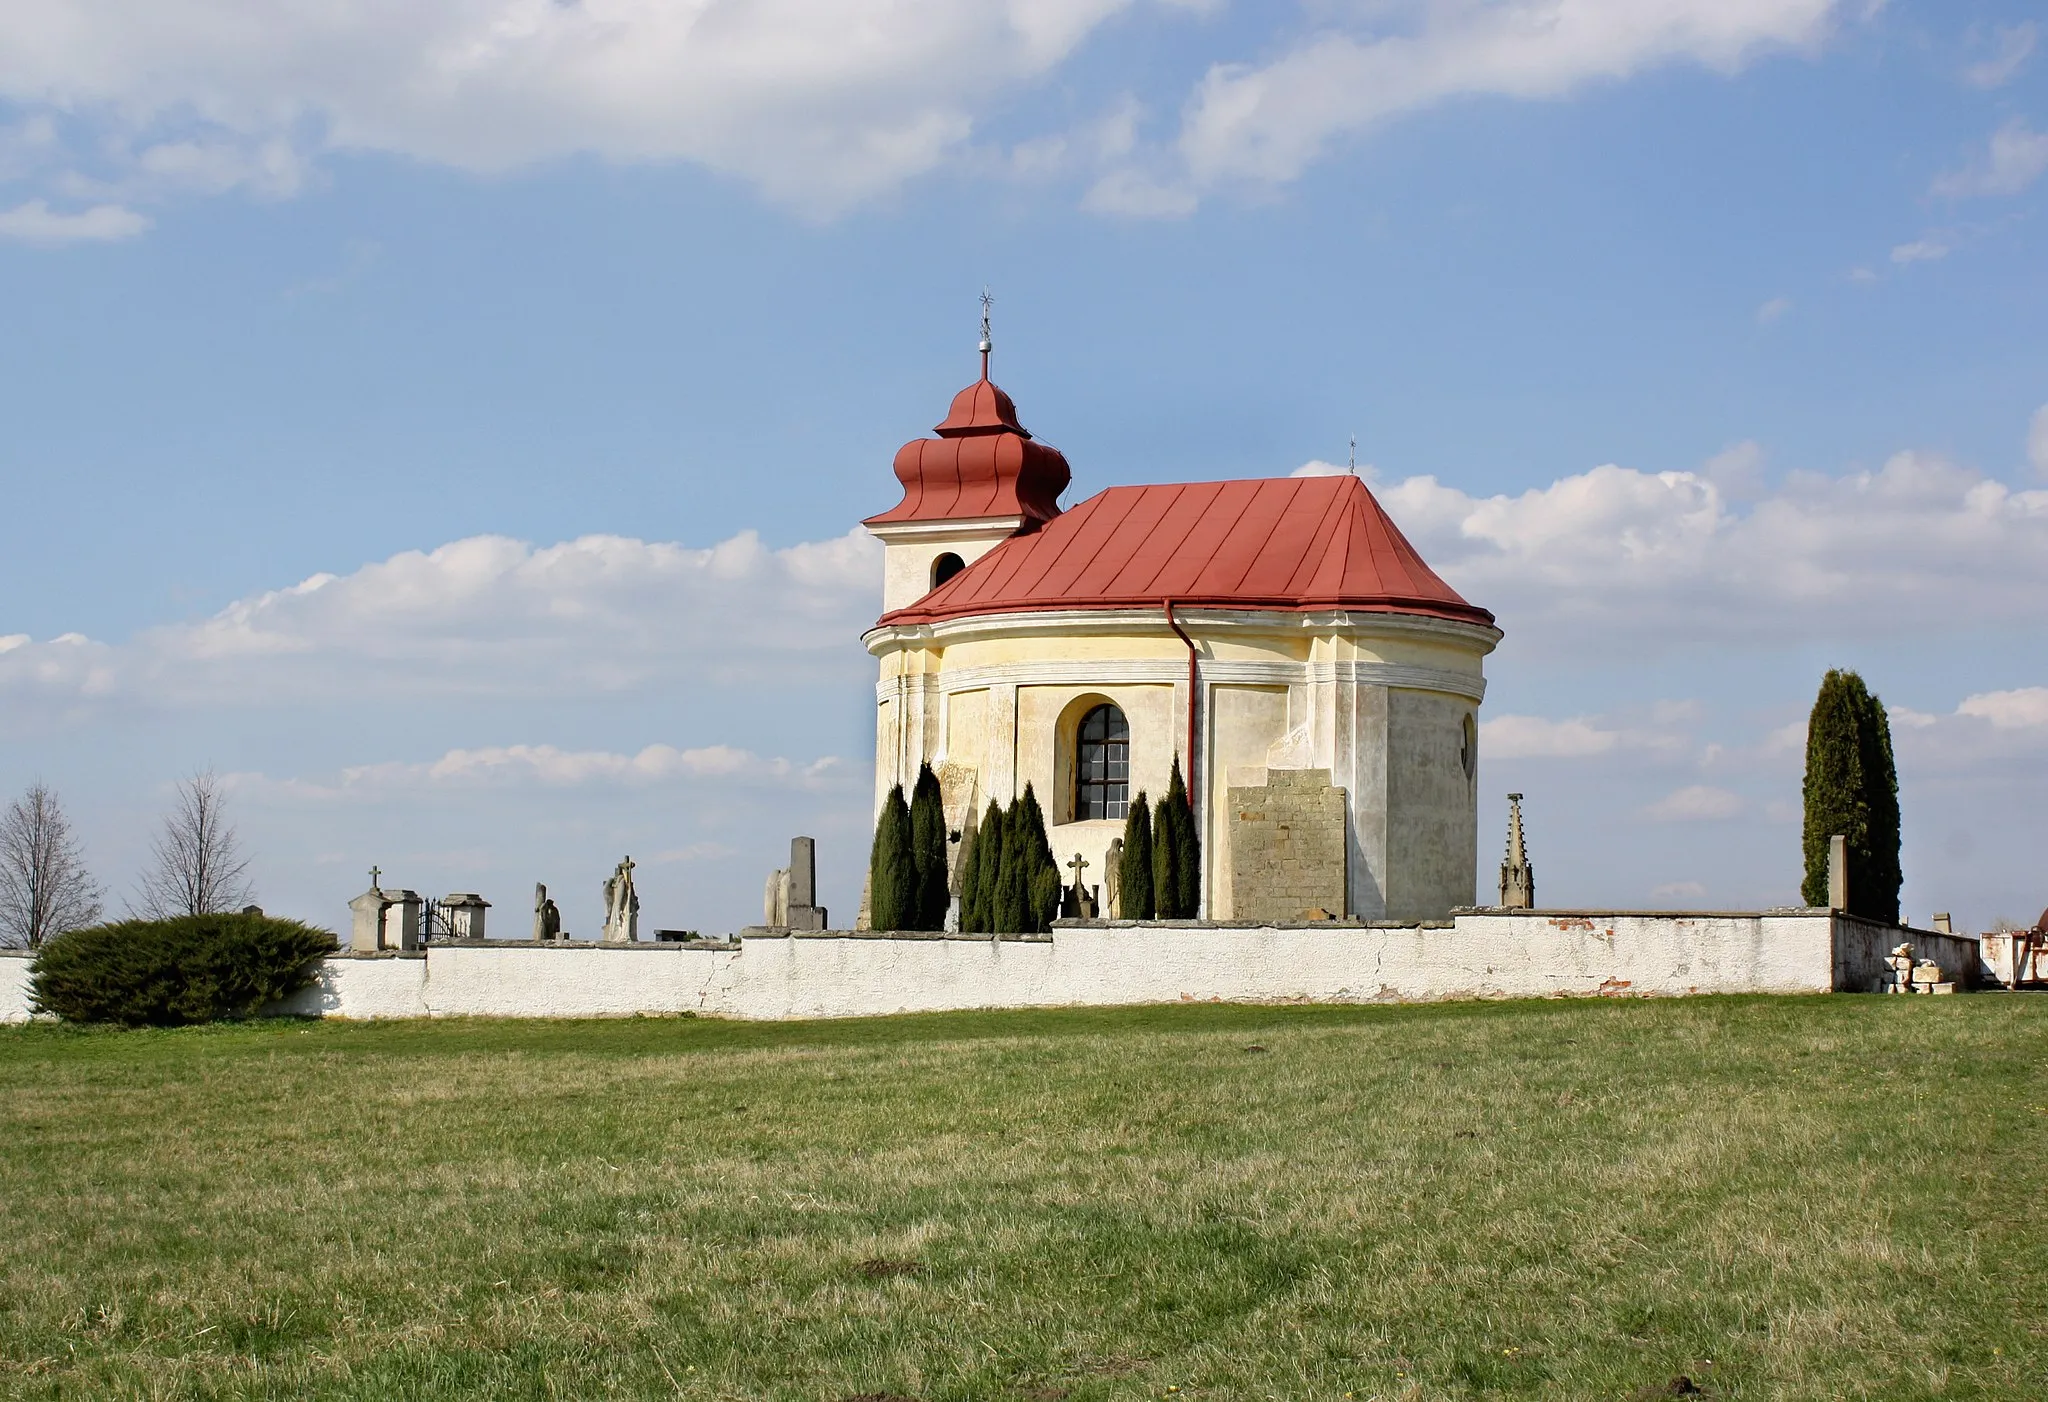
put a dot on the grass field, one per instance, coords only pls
(1783, 1198)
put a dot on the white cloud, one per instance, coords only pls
(555, 768)
(2015, 159)
(1698, 803)
(35, 222)
(1316, 467)
(2014, 44)
(1928, 249)
(494, 616)
(1773, 310)
(1683, 890)
(1266, 123)
(1616, 559)
(2037, 440)
(1737, 471)
(819, 103)
(1534, 737)
(2023, 709)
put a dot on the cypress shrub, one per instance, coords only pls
(1186, 838)
(928, 845)
(167, 973)
(1007, 891)
(1039, 873)
(978, 895)
(1134, 871)
(1852, 790)
(970, 871)
(1165, 880)
(892, 867)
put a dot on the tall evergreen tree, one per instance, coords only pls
(978, 898)
(1007, 893)
(1134, 871)
(1039, 872)
(928, 847)
(892, 867)
(1187, 849)
(1165, 876)
(1852, 791)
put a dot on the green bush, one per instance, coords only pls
(892, 868)
(928, 847)
(164, 973)
(1852, 790)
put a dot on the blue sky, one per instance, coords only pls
(1699, 339)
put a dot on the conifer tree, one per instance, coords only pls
(970, 871)
(928, 847)
(1852, 791)
(892, 867)
(1134, 871)
(1165, 878)
(1007, 897)
(978, 898)
(1187, 849)
(1040, 874)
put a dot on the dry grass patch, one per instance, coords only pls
(1770, 1198)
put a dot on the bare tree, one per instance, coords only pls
(196, 865)
(44, 886)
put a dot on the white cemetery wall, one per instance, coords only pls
(1862, 946)
(1481, 954)
(14, 999)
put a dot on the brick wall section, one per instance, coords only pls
(1287, 847)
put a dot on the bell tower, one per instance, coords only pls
(983, 479)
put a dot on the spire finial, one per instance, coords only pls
(987, 343)
(1354, 455)
(1517, 874)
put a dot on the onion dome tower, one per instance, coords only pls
(983, 479)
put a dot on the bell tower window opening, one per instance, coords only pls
(1103, 770)
(945, 567)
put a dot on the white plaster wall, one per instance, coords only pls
(377, 986)
(1483, 954)
(14, 999)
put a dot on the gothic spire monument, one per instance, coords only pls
(1517, 877)
(1280, 638)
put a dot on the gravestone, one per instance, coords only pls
(366, 918)
(400, 927)
(803, 911)
(621, 906)
(465, 911)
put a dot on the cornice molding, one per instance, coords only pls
(1150, 621)
(1165, 671)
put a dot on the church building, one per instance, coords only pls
(1317, 682)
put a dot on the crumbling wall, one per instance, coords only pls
(1287, 847)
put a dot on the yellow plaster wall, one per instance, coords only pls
(1244, 721)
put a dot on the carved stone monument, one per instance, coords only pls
(1517, 875)
(547, 919)
(1113, 879)
(791, 899)
(464, 911)
(621, 906)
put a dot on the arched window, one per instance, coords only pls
(1102, 773)
(945, 567)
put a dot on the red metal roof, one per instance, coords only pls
(983, 463)
(1267, 543)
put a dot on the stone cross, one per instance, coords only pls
(1078, 865)
(375, 872)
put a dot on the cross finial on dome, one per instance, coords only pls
(987, 344)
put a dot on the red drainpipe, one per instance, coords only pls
(1194, 693)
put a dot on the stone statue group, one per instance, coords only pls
(621, 909)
